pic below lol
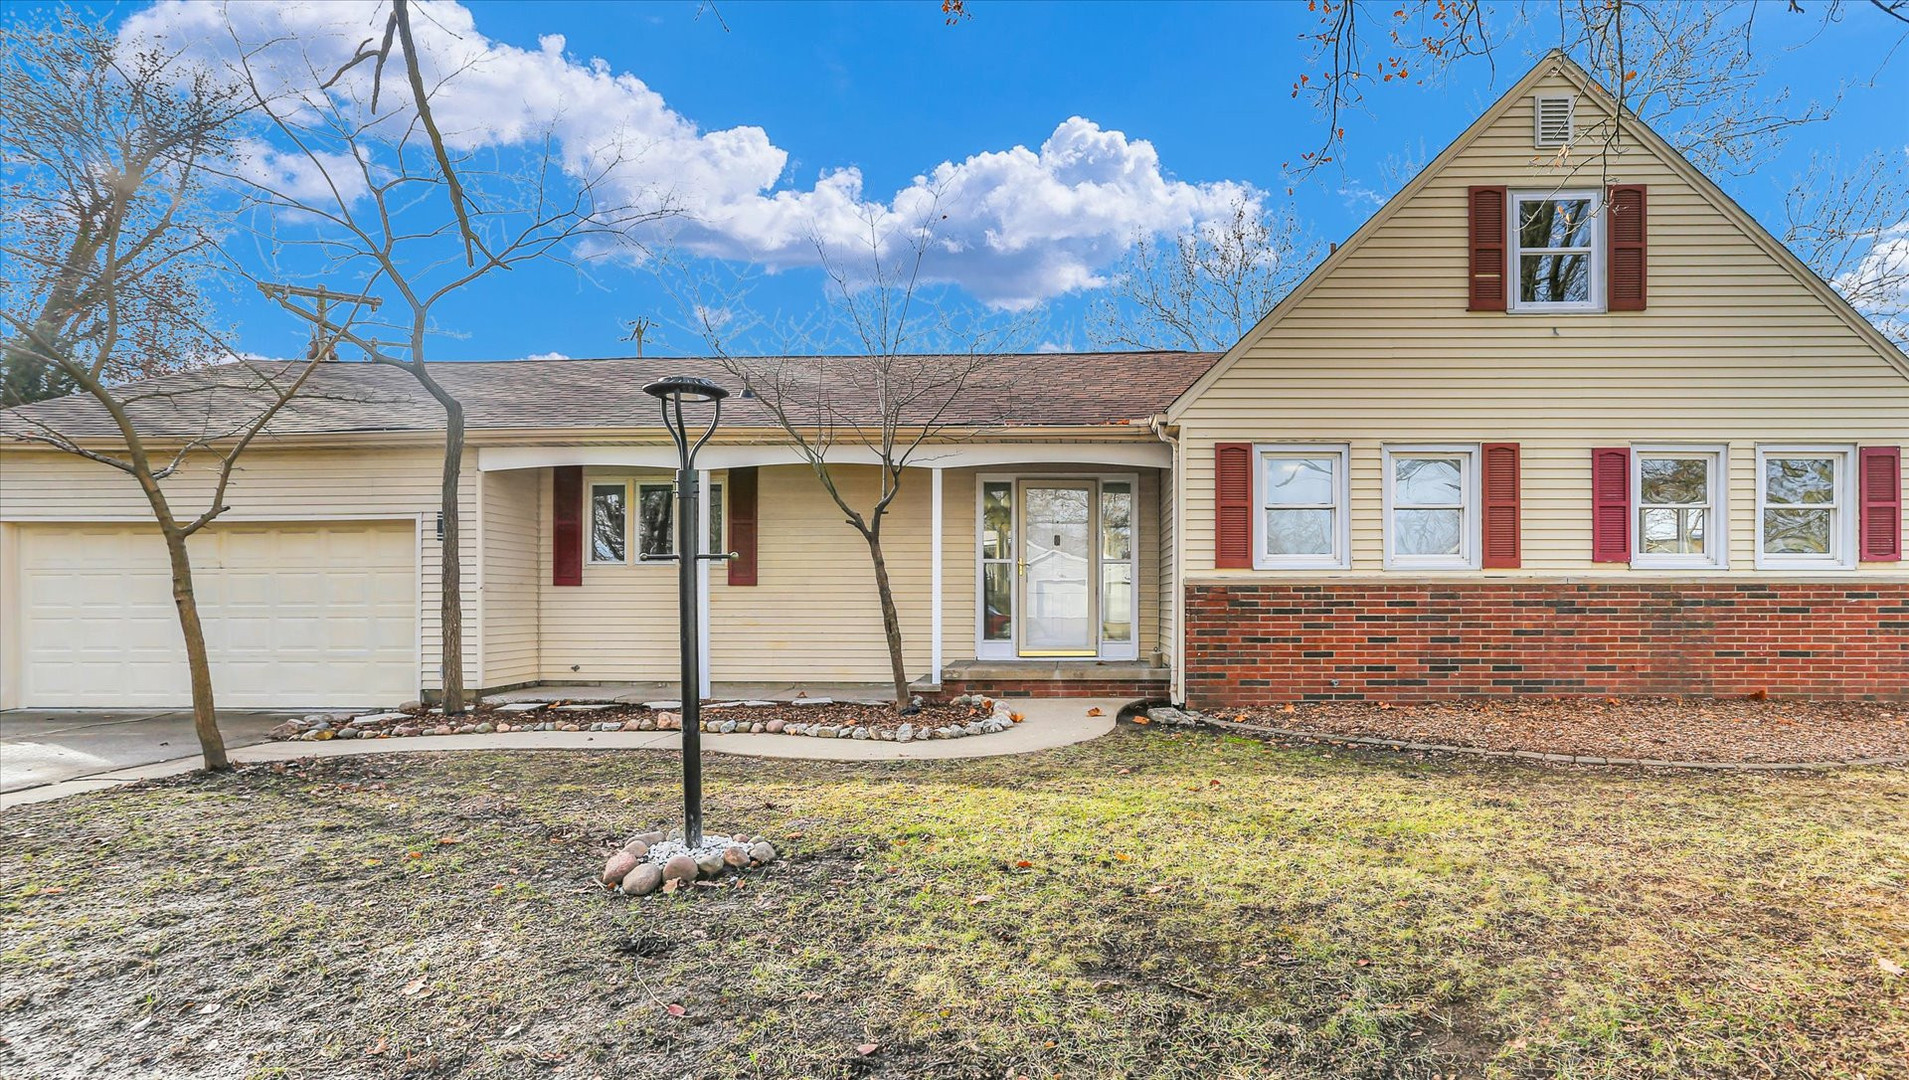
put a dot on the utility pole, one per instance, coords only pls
(324, 345)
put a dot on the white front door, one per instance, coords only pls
(1056, 574)
(1057, 569)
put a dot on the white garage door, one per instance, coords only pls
(297, 615)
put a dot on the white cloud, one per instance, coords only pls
(1879, 285)
(547, 356)
(1012, 227)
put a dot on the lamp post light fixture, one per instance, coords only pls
(674, 392)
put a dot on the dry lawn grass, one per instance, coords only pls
(1191, 906)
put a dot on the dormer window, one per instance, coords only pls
(1557, 254)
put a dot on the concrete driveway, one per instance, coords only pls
(46, 746)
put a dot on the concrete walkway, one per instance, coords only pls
(1049, 723)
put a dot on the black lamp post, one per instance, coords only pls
(673, 392)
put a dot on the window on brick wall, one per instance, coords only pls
(1431, 507)
(1805, 508)
(1677, 507)
(1301, 493)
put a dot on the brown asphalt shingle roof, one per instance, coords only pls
(1036, 389)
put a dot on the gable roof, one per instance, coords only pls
(1030, 390)
(1554, 62)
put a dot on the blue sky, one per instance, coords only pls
(889, 90)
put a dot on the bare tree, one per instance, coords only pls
(1693, 72)
(1850, 223)
(387, 208)
(1207, 286)
(924, 376)
(110, 243)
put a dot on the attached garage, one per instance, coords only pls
(296, 614)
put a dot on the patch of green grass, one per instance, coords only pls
(1190, 906)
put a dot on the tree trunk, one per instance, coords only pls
(451, 571)
(891, 620)
(205, 721)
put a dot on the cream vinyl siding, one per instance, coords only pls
(512, 572)
(271, 484)
(1733, 349)
(814, 615)
(620, 624)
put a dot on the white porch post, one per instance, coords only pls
(934, 576)
(702, 585)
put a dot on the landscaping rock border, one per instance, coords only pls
(984, 716)
(1376, 742)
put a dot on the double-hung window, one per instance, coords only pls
(1804, 508)
(1677, 515)
(656, 519)
(1557, 262)
(1431, 507)
(609, 522)
(1301, 522)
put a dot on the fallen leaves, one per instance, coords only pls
(867, 1048)
(1888, 966)
(1095, 711)
(413, 988)
(977, 901)
(675, 1010)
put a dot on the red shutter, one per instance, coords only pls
(566, 525)
(1487, 273)
(1611, 504)
(1233, 505)
(1499, 471)
(1881, 468)
(742, 526)
(1626, 268)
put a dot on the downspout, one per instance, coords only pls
(1176, 593)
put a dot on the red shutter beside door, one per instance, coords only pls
(1881, 524)
(1611, 504)
(1626, 267)
(1486, 213)
(1499, 476)
(566, 525)
(742, 526)
(1233, 505)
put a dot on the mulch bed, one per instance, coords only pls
(492, 718)
(1662, 729)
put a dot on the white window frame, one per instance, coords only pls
(590, 502)
(1842, 555)
(1468, 543)
(1717, 532)
(1514, 248)
(1341, 556)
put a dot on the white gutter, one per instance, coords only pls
(1176, 602)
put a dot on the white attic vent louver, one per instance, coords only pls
(1551, 120)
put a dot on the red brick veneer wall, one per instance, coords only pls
(1052, 688)
(1261, 644)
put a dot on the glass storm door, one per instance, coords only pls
(1058, 602)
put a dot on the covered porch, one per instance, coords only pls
(1034, 569)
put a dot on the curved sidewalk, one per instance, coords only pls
(1049, 723)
